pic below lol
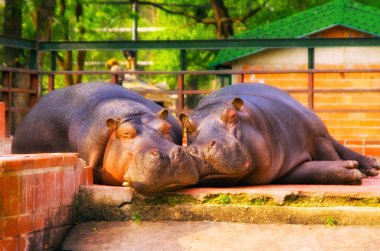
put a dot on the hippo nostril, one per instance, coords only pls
(213, 143)
(155, 153)
(176, 153)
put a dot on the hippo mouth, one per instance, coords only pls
(220, 163)
(156, 172)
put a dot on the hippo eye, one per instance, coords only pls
(128, 132)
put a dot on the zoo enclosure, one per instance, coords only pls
(36, 75)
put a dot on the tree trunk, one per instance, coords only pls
(14, 57)
(224, 23)
(81, 58)
(45, 14)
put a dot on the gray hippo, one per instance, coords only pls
(123, 136)
(252, 134)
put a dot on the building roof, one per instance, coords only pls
(346, 13)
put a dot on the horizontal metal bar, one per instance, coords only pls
(18, 42)
(347, 90)
(214, 72)
(207, 44)
(358, 110)
(19, 70)
(17, 109)
(202, 72)
(197, 91)
(20, 90)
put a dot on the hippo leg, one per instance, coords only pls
(325, 150)
(369, 166)
(324, 172)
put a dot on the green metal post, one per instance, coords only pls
(53, 67)
(33, 59)
(310, 81)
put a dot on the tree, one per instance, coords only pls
(220, 17)
(14, 57)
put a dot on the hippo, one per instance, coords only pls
(127, 139)
(254, 134)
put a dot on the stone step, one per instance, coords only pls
(289, 204)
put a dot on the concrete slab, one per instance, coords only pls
(171, 235)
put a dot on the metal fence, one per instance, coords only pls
(34, 91)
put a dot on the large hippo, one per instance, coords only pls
(251, 134)
(126, 138)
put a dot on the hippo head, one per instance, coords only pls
(141, 153)
(214, 135)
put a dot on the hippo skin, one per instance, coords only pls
(127, 139)
(252, 134)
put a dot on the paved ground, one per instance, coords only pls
(171, 235)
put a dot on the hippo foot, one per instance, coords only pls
(325, 172)
(371, 167)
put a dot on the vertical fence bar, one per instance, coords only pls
(53, 67)
(8, 111)
(114, 78)
(310, 79)
(180, 94)
(2, 120)
(180, 81)
(34, 80)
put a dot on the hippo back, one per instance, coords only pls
(51, 118)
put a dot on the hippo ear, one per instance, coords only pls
(113, 123)
(163, 114)
(183, 117)
(187, 123)
(237, 103)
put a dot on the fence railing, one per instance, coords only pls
(34, 90)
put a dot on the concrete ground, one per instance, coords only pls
(211, 235)
(175, 235)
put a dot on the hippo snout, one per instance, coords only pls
(155, 157)
(177, 155)
(226, 157)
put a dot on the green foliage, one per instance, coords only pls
(136, 217)
(331, 221)
(97, 15)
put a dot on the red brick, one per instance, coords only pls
(37, 192)
(356, 149)
(1, 229)
(28, 163)
(42, 161)
(22, 243)
(372, 151)
(47, 190)
(69, 159)
(10, 226)
(29, 192)
(57, 194)
(25, 223)
(10, 244)
(61, 216)
(12, 164)
(23, 194)
(56, 159)
(10, 195)
(354, 142)
(39, 220)
(68, 187)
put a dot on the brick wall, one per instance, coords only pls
(342, 125)
(37, 199)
